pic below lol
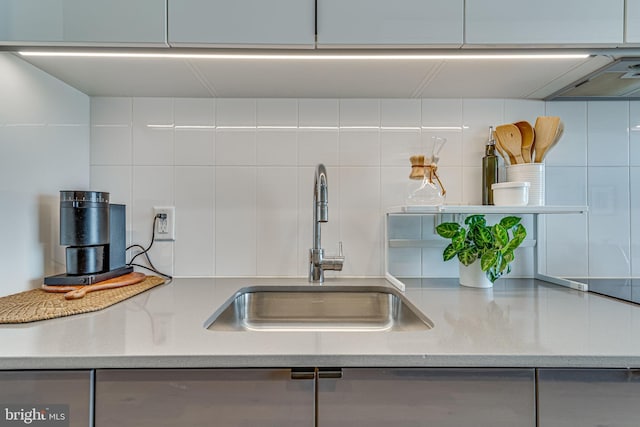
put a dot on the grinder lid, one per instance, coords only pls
(84, 196)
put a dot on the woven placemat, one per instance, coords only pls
(37, 304)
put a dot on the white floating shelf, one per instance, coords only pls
(437, 244)
(484, 209)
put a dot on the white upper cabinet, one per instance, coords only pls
(257, 23)
(369, 23)
(544, 22)
(632, 24)
(83, 22)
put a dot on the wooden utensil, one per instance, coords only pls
(546, 129)
(79, 291)
(511, 140)
(556, 138)
(507, 159)
(528, 138)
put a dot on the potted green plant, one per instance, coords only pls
(486, 248)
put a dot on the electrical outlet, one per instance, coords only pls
(165, 228)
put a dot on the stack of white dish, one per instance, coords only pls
(532, 173)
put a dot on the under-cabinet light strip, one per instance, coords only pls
(295, 56)
(171, 126)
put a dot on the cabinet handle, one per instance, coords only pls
(330, 373)
(303, 374)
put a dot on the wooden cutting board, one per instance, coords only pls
(79, 291)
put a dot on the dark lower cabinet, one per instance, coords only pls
(588, 398)
(375, 397)
(371, 397)
(351, 397)
(203, 397)
(51, 398)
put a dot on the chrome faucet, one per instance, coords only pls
(317, 261)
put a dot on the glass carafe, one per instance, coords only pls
(425, 187)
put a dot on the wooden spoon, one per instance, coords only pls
(507, 158)
(79, 291)
(528, 138)
(546, 129)
(511, 140)
(556, 138)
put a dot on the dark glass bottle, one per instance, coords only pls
(489, 169)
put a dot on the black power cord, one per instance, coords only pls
(145, 251)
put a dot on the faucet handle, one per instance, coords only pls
(333, 262)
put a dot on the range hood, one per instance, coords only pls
(301, 78)
(618, 80)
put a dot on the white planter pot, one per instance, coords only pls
(473, 276)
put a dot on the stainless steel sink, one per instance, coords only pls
(318, 308)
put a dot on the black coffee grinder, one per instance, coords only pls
(95, 235)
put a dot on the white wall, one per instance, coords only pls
(240, 172)
(44, 148)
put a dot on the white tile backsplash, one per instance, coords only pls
(152, 186)
(359, 112)
(235, 147)
(452, 180)
(235, 221)
(194, 146)
(195, 221)
(394, 186)
(277, 112)
(242, 172)
(360, 221)
(571, 150)
(478, 115)
(566, 237)
(516, 110)
(235, 112)
(111, 111)
(190, 112)
(400, 113)
(111, 145)
(439, 113)
(277, 221)
(608, 199)
(153, 131)
(608, 130)
(318, 113)
(276, 147)
(318, 146)
(398, 145)
(359, 147)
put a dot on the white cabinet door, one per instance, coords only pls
(242, 23)
(417, 23)
(544, 22)
(48, 397)
(83, 22)
(588, 397)
(376, 397)
(632, 22)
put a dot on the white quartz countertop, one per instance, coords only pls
(518, 323)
